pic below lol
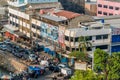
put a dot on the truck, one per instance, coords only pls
(35, 71)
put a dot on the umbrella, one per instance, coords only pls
(6, 77)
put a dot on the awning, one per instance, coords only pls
(18, 34)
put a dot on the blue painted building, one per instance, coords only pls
(115, 47)
(19, 3)
(49, 31)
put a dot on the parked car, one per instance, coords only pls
(35, 71)
(54, 68)
(61, 66)
(32, 57)
(3, 47)
(1, 43)
(66, 71)
(9, 49)
(44, 63)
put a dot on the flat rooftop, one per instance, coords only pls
(114, 0)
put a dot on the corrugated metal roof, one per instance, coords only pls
(54, 18)
(67, 14)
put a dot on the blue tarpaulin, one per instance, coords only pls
(46, 50)
(64, 60)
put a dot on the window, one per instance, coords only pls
(105, 36)
(17, 25)
(76, 39)
(102, 47)
(89, 38)
(67, 48)
(98, 37)
(104, 13)
(105, 6)
(73, 49)
(99, 5)
(99, 12)
(10, 22)
(102, 37)
(34, 34)
(89, 49)
(33, 26)
(110, 14)
(116, 8)
(71, 39)
(110, 7)
(67, 38)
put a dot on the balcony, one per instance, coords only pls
(16, 3)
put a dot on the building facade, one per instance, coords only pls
(91, 8)
(57, 29)
(108, 7)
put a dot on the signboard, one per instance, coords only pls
(80, 66)
(61, 35)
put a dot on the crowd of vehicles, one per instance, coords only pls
(30, 55)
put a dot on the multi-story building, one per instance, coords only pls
(113, 23)
(91, 8)
(60, 29)
(108, 7)
(21, 12)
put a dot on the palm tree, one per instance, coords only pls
(84, 44)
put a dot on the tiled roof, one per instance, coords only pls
(67, 14)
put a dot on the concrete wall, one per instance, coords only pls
(91, 9)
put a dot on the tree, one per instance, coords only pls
(84, 75)
(114, 66)
(78, 55)
(108, 64)
(84, 44)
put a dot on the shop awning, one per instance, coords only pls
(18, 34)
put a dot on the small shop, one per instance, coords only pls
(65, 59)
(9, 32)
(10, 36)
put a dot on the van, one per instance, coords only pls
(66, 71)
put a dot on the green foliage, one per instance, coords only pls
(79, 55)
(100, 60)
(108, 64)
(114, 66)
(84, 44)
(84, 75)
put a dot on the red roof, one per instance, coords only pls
(67, 14)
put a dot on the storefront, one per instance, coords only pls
(10, 36)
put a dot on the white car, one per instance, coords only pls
(66, 71)
(61, 66)
(44, 63)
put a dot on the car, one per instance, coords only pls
(3, 47)
(7, 41)
(1, 43)
(32, 57)
(9, 49)
(54, 68)
(62, 65)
